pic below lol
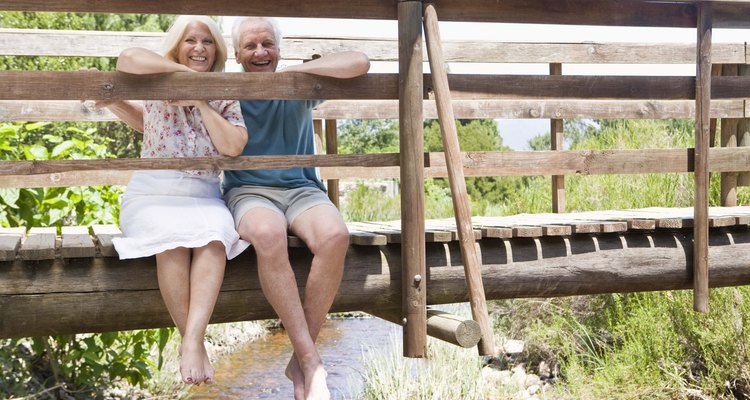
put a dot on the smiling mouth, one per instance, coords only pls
(261, 63)
(199, 59)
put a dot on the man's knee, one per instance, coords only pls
(335, 239)
(264, 236)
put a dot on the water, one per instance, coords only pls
(256, 370)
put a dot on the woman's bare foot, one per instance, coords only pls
(192, 356)
(208, 369)
(294, 373)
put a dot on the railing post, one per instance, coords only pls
(556, 142)
(411, 134)
(701, 175)
(332, 148)
(729, 139)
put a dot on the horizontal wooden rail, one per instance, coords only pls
(63, 173)
(33, 42)
(77, 85)
(72, 110)
(733, 14)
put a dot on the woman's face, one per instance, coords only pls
(197, 49)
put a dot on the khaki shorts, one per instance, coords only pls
(288, 202)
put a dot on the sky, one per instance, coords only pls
(516, 133)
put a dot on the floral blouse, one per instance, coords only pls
(174, 131)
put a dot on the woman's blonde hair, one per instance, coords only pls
(177, 31)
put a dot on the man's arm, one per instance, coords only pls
(344, 65)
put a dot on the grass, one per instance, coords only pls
(618, 346)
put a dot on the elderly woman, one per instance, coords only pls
(179, 216)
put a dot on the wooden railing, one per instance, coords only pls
(553, 96)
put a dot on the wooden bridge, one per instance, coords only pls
(73, 283)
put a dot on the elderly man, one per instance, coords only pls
(268, 203)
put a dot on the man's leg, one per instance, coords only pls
(323, 230)
(266, 229)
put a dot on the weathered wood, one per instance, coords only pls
(67, 110)
(98, 294)
(95, 85)
(60, 173)
(703, 90)
(104, 235)
(457, 182)
(556, 144)
(411, 133)
(583, 12)
(76, 242)
(441, 325)
(39, 244)
(332, 148)
(35, 42)
(10, 242)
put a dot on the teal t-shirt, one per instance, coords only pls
(277, 127)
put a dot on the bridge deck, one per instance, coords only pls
(96, 241)
(52, 284)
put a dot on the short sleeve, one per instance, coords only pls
(230, 110)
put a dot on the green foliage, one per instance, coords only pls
(32, 207)
(361, 136)
(82, 364)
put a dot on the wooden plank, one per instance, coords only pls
(411, 133)
(39, 244)
(56, 173)
(71, 110)
(76, 242)
(96, 85)
(10, 242)
(585, 12)
(103, 235)
(556, 230)
(81, 43)
(703, 90)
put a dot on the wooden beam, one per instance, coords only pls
(73, 110)
(702, 145)
(457, 182)
(440, 325)
(556, 144)
(411, 133)
(35, 42)
(332, 148)
(56, 297)
(95, 85)
(583, 12)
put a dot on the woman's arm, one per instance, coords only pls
(344, 65)
(136, 60)
(229, 139)
(128, 112)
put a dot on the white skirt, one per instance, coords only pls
(164, 210)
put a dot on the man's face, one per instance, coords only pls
(257, 50)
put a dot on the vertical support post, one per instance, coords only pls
(701, 175)
(729, 139)
(411, 134)
(556, 141)
(743, 130)
(457, 181)
(332, 148)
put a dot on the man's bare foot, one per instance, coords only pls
(294, 373)
(192, 362)
(316, 387)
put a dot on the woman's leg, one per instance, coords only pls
(206, 277)
(173, 272)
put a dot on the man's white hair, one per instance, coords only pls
(240, 21)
